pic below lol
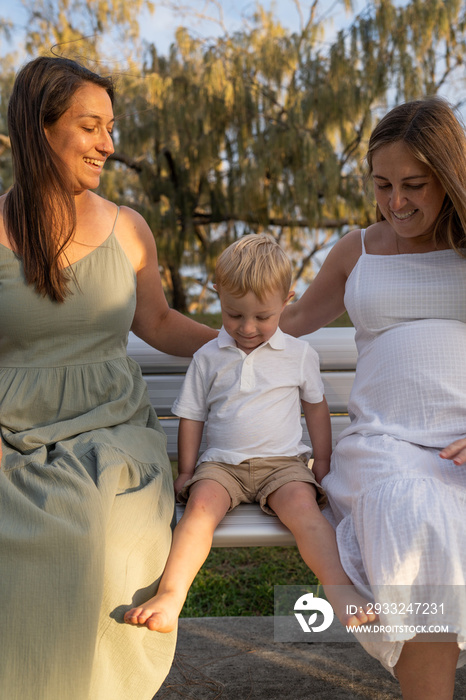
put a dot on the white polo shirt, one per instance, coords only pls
(251, 403)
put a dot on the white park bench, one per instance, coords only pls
(247, 525)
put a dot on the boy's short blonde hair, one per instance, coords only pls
(255, 263)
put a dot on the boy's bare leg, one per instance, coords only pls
(296, 506)
(192, 540)
(426, 669)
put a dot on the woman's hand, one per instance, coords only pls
(455, 452)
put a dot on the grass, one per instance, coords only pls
(240, 581)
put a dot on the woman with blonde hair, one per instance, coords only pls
(397, 482)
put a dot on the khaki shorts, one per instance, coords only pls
(255, 479)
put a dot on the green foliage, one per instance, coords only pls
(266, 128)
(209, 319)
(263, 128)
(214, 320)
(78, 29)
(6, 84)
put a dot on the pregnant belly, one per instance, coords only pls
(411, 382)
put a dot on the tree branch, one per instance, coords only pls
(204, 218)
(137, 164)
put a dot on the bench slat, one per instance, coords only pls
(248, 526)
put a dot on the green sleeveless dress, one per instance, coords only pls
(86, 493)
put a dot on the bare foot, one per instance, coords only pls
(159, 614)
(351, 609)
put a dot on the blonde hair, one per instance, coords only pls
(255, 263)
(435, 136)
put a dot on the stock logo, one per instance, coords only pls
(308, 604)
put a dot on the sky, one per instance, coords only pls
(160, 26)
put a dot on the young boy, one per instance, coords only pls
(248, 386)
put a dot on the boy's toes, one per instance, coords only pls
(361, 617)
(158, 622)
(133, 617)
(355, 621)
(129, 617)
(364, 616)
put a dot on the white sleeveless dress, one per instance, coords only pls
(399, 509)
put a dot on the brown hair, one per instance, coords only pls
(39, 214)
(254, 263)
(436, 138)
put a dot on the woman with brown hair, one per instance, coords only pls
(397, 482)
(86, 492)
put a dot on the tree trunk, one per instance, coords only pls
(179, 301)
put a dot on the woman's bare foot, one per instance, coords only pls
(351, 609)
(159, 614)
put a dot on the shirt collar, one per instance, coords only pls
(276, 342)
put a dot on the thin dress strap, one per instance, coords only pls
(116, 219)
(363, 233)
